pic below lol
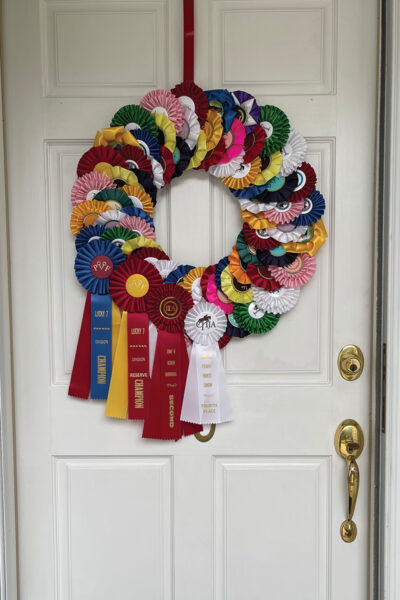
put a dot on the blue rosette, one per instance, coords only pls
(88, 234)
(223, 102)
(249, 193)
(314, 208)
(178, 274)
(95, 263)
(148, 143)
(221, 265)
(135, 211)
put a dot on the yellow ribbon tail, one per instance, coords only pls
(117, 401)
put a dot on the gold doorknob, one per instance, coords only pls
(349, 443)
(350, 362)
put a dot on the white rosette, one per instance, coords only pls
(158, 173)
(196, 291)
(285, 236)
(206, 399)
(110, 218)
(227, 169)
(164, 267)
(191, 127)
(254, 207)
(293, 153)
(278, 301)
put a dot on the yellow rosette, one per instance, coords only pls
(143, 199)
(168, 129)
(85, 214)
(257, 221)
(201, 151)
(139, 242)
(245, 175)
(271, 170)
(118, 135)
(191, 283)
(119, 175)
(233, 289)
(312, 246)
(213, 128)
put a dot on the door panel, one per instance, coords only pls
(256, 511)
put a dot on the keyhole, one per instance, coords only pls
(353, 367)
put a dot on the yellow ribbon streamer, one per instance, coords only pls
(117, 401)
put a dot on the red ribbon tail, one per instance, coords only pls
(167, 388)
(79, 386)
(138, 365)
(188, 40)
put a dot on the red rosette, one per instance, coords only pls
(131, 285)
(214, 156)
(149, 252)
(260, 276)
(307, 180)
(135, 158)
(204, 278)
(167, 163)
(96, 155)
(193, 91)
(167, 307)
(252, 239)
(224, 340)
(254, 143)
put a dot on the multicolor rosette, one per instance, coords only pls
(95, 263)
(263, 162)
(206, 399)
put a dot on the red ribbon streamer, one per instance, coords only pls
(79, 386)
(138, 365)
(188, 40)
(167, 388)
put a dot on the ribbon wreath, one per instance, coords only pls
(144, 313)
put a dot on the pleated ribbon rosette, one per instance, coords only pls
(206, 398)
(129, 393)
(94, 265)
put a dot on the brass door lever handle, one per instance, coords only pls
(349, 443)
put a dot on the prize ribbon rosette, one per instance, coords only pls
(144, 312)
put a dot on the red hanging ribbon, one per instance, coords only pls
(188, 40)
(167, 388)
(79, 386)
(138, 365)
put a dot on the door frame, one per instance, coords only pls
(385, 485)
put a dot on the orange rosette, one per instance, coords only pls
(114, 136)
(312, 246)
(257, 221)
(85, 214)
(236, 267)
(213, 128)
(245, 175)
(139, 198)
(191, 282)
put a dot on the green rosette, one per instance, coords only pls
(114, 197)
(133, 113)
(247, 253)
(118, 235)
(253, 319)
(278, 128)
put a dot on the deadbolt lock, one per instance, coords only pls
(350, 362)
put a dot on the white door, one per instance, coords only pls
(255, 512)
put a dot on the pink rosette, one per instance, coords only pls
(298, 273)
(215, 296)
(139, 226)
(164, 102)
(88, 185)
(284, 212)
(234, 141)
